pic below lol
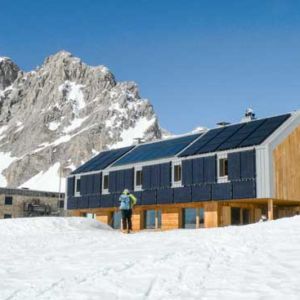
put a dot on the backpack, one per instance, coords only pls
(125, 202)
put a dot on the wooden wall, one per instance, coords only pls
(171, 218)
(286, 159)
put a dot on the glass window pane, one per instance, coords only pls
(189, 217)
(150, 219)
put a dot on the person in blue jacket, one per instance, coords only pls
(127, 201)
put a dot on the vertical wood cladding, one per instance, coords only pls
(286, 158)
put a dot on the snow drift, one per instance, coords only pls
(76, 258)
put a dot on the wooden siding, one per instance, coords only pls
(286, 160)
(171, 218)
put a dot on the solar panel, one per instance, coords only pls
(264, 131)
(213, 145)
(235, 136)
(102, 160)
(207, 137)
(157, 150)
(241, 135)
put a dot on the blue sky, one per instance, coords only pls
(199, 62)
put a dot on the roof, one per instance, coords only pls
(102, 160)
(241, 135)
(234, 136)
(157, 150)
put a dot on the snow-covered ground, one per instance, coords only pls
(76, 258)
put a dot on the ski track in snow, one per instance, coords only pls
(72, 258)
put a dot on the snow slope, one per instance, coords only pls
(76, 258)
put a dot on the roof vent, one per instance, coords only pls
(223, 124)
(249, 115)
(138, 141)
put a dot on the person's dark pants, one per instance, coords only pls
(126, 219)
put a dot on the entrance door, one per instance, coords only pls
(235, 216)
(246, 216)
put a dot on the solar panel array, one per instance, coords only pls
(236, 136)
(102, 160)
(157, 150)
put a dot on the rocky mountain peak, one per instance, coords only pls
(8, 72)
(57, 117)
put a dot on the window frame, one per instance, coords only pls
(6, 202)
(138, 187)
(175, 165)
(221, 159)
(105, 190)
(77, 193)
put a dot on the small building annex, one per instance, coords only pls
(228, 175)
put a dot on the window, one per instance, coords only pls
(105, 182)
(177, 173)
(7, 216)
(8, 200)
(77, 186)
(152, 219)
(138, 177)
(138, 180)
(61, 203)
(223, 167)
(193, 218)
(189, 217)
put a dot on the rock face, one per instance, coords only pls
(62, 114)
(8, 72)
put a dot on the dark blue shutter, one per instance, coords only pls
(83, 202)
(210, 169)
(120, 181)
(148, 197)
(198, 169)
(248, 164)
(164, 196)
(83, 185)
(70, 187)
(155, 176)
(107, 200)
(112, 182)
(94, 201)
(90, 184)
(128, 180)
(138, 196)
(165, 175)
(201, 192)
(234, 166)
(183, 194)
(222, 191)
(72, 203)
(244, 189)
(187, 172)
(146, 178)
(97, 183)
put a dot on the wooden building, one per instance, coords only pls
(232, 174)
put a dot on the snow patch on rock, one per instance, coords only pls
(47, 181)
(74, 95)
(5, 160)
